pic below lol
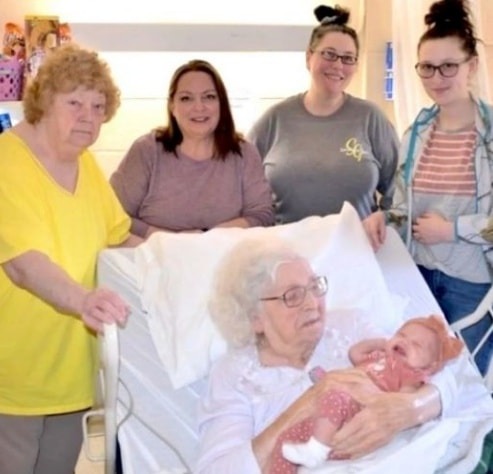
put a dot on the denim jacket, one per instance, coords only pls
(467, 227)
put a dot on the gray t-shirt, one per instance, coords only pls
(315, 163)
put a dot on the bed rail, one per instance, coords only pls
(108, 376)
(484, 310)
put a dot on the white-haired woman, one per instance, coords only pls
(269, 305)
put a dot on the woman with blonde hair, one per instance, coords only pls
(57, 212)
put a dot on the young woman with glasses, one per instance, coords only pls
(443, 202)
(323, 146)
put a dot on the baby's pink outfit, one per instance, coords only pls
(388, 373)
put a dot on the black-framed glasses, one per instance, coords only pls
(426, 70)
(332, 56)
(296, 295)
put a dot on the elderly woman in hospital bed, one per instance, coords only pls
(402, 363)
(270, 307)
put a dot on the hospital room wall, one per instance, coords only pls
(257, 46)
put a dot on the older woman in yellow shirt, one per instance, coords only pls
(56, 213)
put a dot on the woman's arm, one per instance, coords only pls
(227, 419)
(384, 415)
(376, 229)
(304, 407)
(258, 208)
(36, 273)
(385, 147)
(132, 179)
(225, 424)
(381, 419)
(261, 135)
(226, 429)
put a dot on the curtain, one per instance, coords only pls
(482, 86)
(407, 27)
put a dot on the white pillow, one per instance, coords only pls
(175, 276)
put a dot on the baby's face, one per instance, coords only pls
(416, 344)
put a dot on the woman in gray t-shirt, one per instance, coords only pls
(324, 146)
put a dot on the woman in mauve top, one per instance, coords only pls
(197, 172)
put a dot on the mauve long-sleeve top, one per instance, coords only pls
(175, 192)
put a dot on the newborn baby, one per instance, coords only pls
(404, 362)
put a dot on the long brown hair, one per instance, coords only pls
(226, 138)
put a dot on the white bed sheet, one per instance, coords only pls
(145, 392)
(147, 398)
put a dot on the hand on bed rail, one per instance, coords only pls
(102, 306)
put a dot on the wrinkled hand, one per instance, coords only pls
(102, 306)
(307, 405)
(376, 229)
(350, 379)
(431, 228)
(383, 416)
(354, 381)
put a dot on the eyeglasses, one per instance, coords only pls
(332, 56)
(448, 69)
(296, 295)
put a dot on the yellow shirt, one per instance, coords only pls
(48, 359)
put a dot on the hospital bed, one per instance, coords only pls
(156, 423)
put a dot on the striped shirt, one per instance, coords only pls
(447, 164)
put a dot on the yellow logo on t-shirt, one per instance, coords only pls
(354, 149)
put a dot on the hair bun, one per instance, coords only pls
(331, 16)
(451, 13)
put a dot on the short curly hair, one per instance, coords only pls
(65, 69)
(240, 282)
